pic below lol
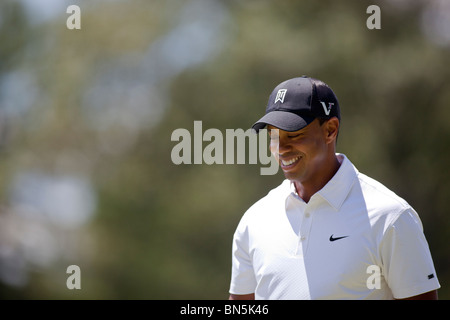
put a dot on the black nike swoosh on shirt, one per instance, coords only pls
(337, 238)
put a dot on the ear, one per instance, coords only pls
(331, 128)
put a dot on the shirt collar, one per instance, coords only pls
(337, 189)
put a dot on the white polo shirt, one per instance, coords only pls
(354, 239)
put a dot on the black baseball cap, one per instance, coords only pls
(295, 103)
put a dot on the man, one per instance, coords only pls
(328, 231)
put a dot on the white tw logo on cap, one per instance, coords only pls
(325, 109)
(280, 95)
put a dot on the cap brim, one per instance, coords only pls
(283, 120)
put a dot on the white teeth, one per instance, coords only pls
(289, 162)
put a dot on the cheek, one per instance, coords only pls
(317, 151)
(309, 147)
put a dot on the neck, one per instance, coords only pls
(306, 189)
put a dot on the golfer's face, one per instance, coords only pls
(300, 153)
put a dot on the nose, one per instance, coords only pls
(284, 144)
(280, 144)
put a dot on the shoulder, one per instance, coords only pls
(377, 190)
(381, 202)
(266, 207)
(274, 197)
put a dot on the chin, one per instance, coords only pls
(291, 176)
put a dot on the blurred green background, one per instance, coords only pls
(86, 118)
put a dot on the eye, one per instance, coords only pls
(296, 135)
(273, 136)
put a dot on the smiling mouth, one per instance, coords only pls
(289, 163)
